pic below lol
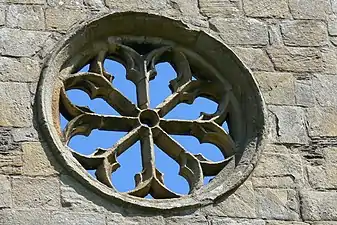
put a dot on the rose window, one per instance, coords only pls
(204, 68)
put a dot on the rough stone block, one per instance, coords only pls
(2, 14)
(25, 217)
(28, 2)
(334, 6)
(186, 220)
(322, 122)
(35, 160)
(5, 192)
(241, 32)
(66, 3)
(329, 57)
(297, 59)
(323, 177)
(304, 94)
(304, 33)
(224, 8)
(277, 222)
(56, 20)
(24, 134)
(26, 17)
(318, 205)
(36, 192)
(137, 4)
(116, 219)
(236, 221)
(16, 42)
(280, 204)
(310, 9)
(15, 109)
(19, 69)
(332, 25)
(266, 8)
(254, 58)
(280, 165)
(290, 124)
(68, 218)
(277, 88)
(274, 182)
(330, 155)
(325, 87)
(11, 163)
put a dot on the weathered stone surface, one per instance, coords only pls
(66, 3)
(325, 87)
(19, 69)
(236, 221)
(304, 94)
(25, 17)
(277, 222)
(304, 33)
(297, 59)
(290, 124)
(240, 204)
(55, 19)
(322, 122)
(325, 223)
(278, 204)
(309, 9)
(95, 3)
(275, 36)
(15, 42)
(116, 219)
(7, 144)
(323, 177)
(318, 205)
(266, 8)
(10, 162)
(186, 220)
(334, 6)
(5, 192)
(274, 182)
(241, 32)
(280, 165)
(25, 217)
(24, 134)
(332, 25)
(329, 56)
(224, 8)
(277, 88)
(137, 4)
(35, 160)
(254, 58)
(28, 2)
(2, 14)
(69, 218)
(330, 155)
(77, 198)
(15, 106)
(36, 192)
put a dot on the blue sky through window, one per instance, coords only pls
(130, 160)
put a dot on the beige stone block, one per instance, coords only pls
(2, 14)
(304, 93)
(254, 58)
(241, 31)
(70, 218)
(277, 222)
(325, 87)
(224, 8)
(35, 160)
(11, 163)
(55, 19)
(25, 217)
(116, 219)
(19, 69)
(310, 9)
(236, 221)
(15, 105)
(296, 59)
(319, 205)
(304, 33)
(26, 17)
(322, 122)
(277, 88)
(5, 192)
(266, 8)
(36, 193)
(274, 182)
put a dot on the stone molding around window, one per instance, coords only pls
(205, 67)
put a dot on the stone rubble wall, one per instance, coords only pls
(290, 45)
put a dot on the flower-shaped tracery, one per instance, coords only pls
(148, 125)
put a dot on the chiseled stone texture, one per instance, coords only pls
(290, 124)
(322, 122)
(241, 31)
(325, 87)
(36, 192)
(319, 205)
(296, 59)
(254, 58)
(19, 69)
(277, 88)
(70, 218)
(15, 106)
(116, 219)
(310, 9)
(223, 8)
(266, 8)
(16, 42)
(26, 17)
(56, 19)
(277, 222)
(304, 93)
(235, 221)
(66, 3)
(186, 220)
(35, 160)
(5, 192)
(304, 33)
(25, 217)
(2, 14)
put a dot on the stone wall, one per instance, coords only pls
(290, 45)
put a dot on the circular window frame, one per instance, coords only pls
(146, 25)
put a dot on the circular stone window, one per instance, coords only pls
(204, 67)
